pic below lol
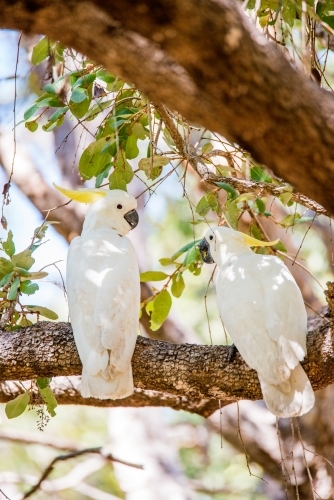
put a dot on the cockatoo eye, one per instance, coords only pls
(210, 237)
(119, 206)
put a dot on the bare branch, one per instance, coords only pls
(61, 458)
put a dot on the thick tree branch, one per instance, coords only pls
(204, 59)
(67, 392)
(184, 370)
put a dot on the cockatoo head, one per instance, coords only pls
(113, 209)
(220, 243)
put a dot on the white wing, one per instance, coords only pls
(104, 295)
(263, 311)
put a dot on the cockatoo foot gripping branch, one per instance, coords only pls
(262, 308)
(103, 291)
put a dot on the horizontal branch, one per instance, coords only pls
(189, 154)
(192, 371)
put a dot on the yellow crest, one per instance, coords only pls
(85, 195)
(253, 242)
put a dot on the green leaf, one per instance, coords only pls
(325, 11)
(229, 189)
(16, 407)
(116, 181)
(43, 382)
(56, 87)
(30, 111)
(28, 287)
(280, 246)
(244, 197)
(5, 267)
(80, 109)
(165, 261)
(131, 148)
(23, 259)
(153, 168)
(289, 12)
(96, 109)
(79, 95)
(289, 220)
(153, 276)
(85, 80)
(13, 291)
(93, 159)
(159, 308)
(6, 279)
(285, 198)
(105, 76)
(49, 399)
(123, 167)
(58, 114)
(260, 205)
(232, 213)
(22, 272)
(255, 231)
(258, 174)
(32, 126)
(139, 131)
(193, 255)
(102, 175)
(41, 51)
(39, 275)
(25, 322)
(43, 311)
(8, 245)
(207, 203)
(185, 248)
(50, 101)
(206, 148)
(178, 285)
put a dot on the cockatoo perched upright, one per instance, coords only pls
(104, 292)
(262, 309)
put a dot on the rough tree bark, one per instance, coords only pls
(204, 59)
(47, 349)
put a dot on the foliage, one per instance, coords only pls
(16, 280)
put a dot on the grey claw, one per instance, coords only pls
(232, 350)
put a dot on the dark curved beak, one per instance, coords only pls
(204, 249)
(132, 218)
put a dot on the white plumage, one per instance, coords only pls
(104, 293)
(262, 308)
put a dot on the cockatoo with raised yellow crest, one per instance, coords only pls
(103, 291)
(262, 309)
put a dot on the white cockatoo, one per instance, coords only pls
(103, 291)
(262, 309)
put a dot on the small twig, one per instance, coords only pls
(206, 304)
(49, 468)
(293, 458)
(300, 246)
(283, 466)
(305, 461)
(244, 448)
(4, 494)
